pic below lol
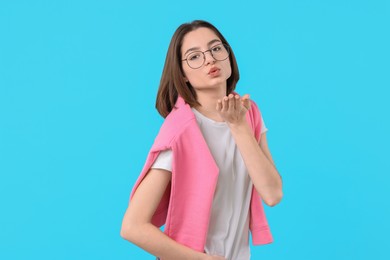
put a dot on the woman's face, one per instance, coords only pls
(213, 73)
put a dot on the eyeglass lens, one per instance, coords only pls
(197, 58)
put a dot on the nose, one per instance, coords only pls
(208, 58)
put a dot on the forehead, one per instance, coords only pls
(198, 38)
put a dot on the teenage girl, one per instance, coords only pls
(209, 168)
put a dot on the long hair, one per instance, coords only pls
(173, 84)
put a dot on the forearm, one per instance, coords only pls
(262, 171)
(152, 239)
(137, 227)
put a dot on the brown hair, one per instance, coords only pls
(172, 81)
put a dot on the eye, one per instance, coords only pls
(216, 48)
(194, 56)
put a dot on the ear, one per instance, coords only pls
(186, 80)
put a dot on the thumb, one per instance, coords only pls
(245, 101)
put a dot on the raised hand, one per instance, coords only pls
(233, 108)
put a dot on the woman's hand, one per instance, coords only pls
(233, 109)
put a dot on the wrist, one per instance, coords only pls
(239, 126)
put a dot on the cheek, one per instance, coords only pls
(228, 69)
(193, 76)
(186, 72)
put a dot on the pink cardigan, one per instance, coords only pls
(186, 205)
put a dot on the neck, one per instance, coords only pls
(208, 100)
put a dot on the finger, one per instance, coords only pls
(225, 104)
(246, 102)
(244, 97)
(237, 102)
(231, 102)
(219, 105)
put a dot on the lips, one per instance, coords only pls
(213, 70)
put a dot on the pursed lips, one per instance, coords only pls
(212, 70)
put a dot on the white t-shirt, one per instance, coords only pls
(228, 233)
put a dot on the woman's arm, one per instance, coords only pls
(138, 229)
(257, 157)
(264, 147)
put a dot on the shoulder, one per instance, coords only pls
(174, 126)
(255, 106)
(254, 118)
(254, 112)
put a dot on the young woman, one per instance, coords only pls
(209, 168)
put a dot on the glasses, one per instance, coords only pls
(196, 59)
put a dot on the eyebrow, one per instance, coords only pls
(197, 48)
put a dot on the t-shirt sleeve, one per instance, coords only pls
(263, 127)
(163, 161)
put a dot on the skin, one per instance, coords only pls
(208, 89)
(232, 110)
(136, 225)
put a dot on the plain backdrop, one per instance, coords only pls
(78, 81)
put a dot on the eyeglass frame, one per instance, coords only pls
(226, 46)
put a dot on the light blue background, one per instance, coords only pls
(78, 81)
